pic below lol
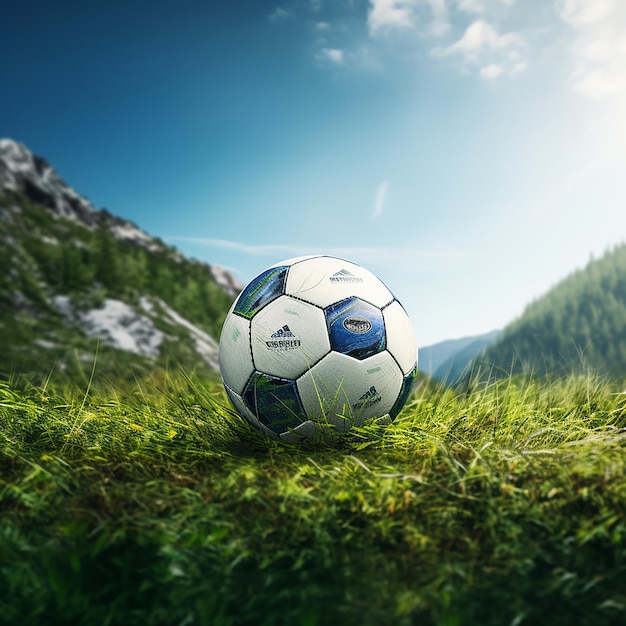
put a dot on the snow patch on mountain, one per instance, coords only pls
(226, 280)
(119, 325)
(46, 343)
(125, 231)
(116, 324)
(147, 305)
(205, 345)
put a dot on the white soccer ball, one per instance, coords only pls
(316, 344)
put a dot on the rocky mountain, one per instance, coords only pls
(78, 283)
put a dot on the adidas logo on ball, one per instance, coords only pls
(367, 400)
(344, 276)
(283, 339)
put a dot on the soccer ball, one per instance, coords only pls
(316, 344)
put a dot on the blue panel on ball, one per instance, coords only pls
(356, 328)
(274, 401)
(261, 291)
(405, 392)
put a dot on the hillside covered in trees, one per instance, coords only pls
(61, 285)
(579, 325)
(78, 283)
(92, 264)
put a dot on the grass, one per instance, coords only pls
(150, 502)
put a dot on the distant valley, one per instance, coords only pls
(447, 360)
(578, 326)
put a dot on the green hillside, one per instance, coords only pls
(580, 324)
(47, 260)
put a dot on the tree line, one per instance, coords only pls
(578, 325)
(90, 265)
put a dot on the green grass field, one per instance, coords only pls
(151, 502)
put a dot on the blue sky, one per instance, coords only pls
(471, 153)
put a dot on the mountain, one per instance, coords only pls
(580, 324)
(455, 366)
(78, 283)
(436, 359)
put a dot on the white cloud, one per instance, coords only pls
(493, 71)
(294, 250)
(489, 72)
(481, 45)
(387, 14)
(471, 6)
(440, 25)
(381, 197)
(331, 55)
(599, 46)
(583, 12)
(480, 6)
(438, 28)
(481, 36)
(439, 8)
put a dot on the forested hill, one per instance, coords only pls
(76, 282)
(578, 325)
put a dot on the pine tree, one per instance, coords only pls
(107, 266)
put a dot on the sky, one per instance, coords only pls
(470, 153)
